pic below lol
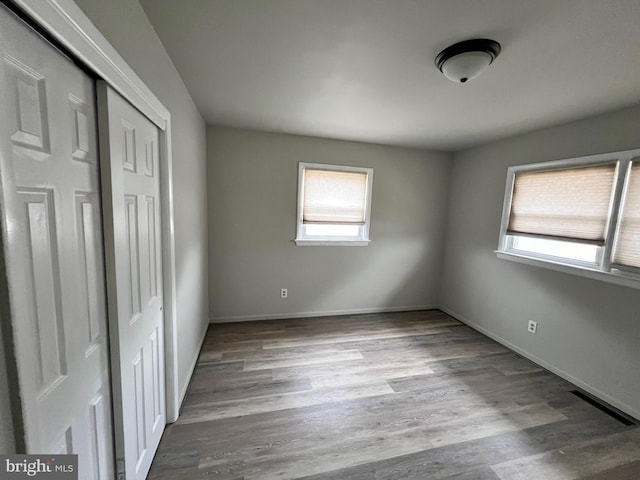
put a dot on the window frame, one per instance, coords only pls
(304, 239)
(603, 268)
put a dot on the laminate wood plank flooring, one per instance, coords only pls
(406, 396)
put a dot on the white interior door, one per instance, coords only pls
(134, 279)
(52, 239)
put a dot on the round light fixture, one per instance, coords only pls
(466, 60)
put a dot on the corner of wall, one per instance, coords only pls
(453, 158)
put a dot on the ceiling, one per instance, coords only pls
(363, 69)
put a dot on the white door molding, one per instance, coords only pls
(68, 24)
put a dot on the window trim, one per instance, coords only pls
(603, 269)
(305, 240)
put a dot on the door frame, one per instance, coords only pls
(67, 24)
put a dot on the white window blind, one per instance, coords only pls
(627, 248)
(334, 197)
(571, 204)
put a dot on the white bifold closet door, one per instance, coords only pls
(53, 249)
(131, 182)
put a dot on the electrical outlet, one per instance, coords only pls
(532, 327)
(284, 293)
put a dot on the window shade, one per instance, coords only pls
(570, 204)
(334, 197)
(627, 248)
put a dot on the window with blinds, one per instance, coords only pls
(627, 248)
(582, 213)
(570, 204)
(334, 197)
(334, 204)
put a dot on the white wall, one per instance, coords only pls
(588, 330)
(126, 26)
(252, 224)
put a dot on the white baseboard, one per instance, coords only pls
(547, 366)
(326, 313)
(192, 367)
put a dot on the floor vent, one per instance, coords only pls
(622, 418)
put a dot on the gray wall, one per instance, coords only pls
(252, 224)
(125, 24)
(588, 330)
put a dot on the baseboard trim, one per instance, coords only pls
(326, 313)
(547, 366)
(192, 367)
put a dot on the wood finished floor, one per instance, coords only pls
(411, 396)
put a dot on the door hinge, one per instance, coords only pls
(121, 475)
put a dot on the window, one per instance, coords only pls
(334, 204)
(581, 213)
(627, 249)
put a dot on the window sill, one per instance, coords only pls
(331, 243)
(609, 277)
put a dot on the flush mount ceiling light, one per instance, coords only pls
(466, 60)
